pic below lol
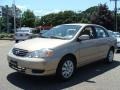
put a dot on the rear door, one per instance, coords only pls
(102, 41)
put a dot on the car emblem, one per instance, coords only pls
(17, 52)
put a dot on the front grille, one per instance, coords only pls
(18, 68)
(19, 52)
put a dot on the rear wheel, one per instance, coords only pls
(110, 56)
(66, 68)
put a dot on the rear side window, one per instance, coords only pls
(100, 32)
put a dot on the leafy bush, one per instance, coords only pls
(6, 35)
(2, 36)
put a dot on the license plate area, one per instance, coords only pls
(14, 65)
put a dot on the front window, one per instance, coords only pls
(88, 31)
(62, 32)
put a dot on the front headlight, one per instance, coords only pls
(40, 53)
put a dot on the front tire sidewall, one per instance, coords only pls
(110, 56)
(59, 72)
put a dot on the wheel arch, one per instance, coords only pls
(58, 70)
(112, 48)
(68, 55)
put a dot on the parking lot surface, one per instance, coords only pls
(96, 76)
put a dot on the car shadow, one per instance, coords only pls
(83, 74)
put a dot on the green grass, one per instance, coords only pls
(6, 36)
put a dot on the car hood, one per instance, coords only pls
(40, 43)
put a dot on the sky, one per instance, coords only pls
(43, 7)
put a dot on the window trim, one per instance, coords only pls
(92, 27)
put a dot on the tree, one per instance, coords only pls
(28, 18)
(37, 21)
(8, 18)
(97, 15)
(118, 20)
(59, 18)
(103, 17)
(84, 20)
(2, 23)
(48, 19)
(86, 15)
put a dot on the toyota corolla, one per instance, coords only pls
(62, 50)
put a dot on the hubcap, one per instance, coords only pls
(111, 56)
(67, 69)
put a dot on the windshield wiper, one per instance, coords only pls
(43, 36)
(57, 37)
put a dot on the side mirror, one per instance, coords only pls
(83, 37)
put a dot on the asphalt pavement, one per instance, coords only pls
(96, 76)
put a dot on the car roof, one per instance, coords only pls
(81, 24)
(24, 28)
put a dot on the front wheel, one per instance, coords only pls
(66, 68)
(110, 56)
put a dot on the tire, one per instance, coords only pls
(66, 68)
(110, 56)
(16, 41)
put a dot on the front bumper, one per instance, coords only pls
(31, 66)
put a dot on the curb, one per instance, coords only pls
(7, 39)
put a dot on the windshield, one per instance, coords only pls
(62, 32)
